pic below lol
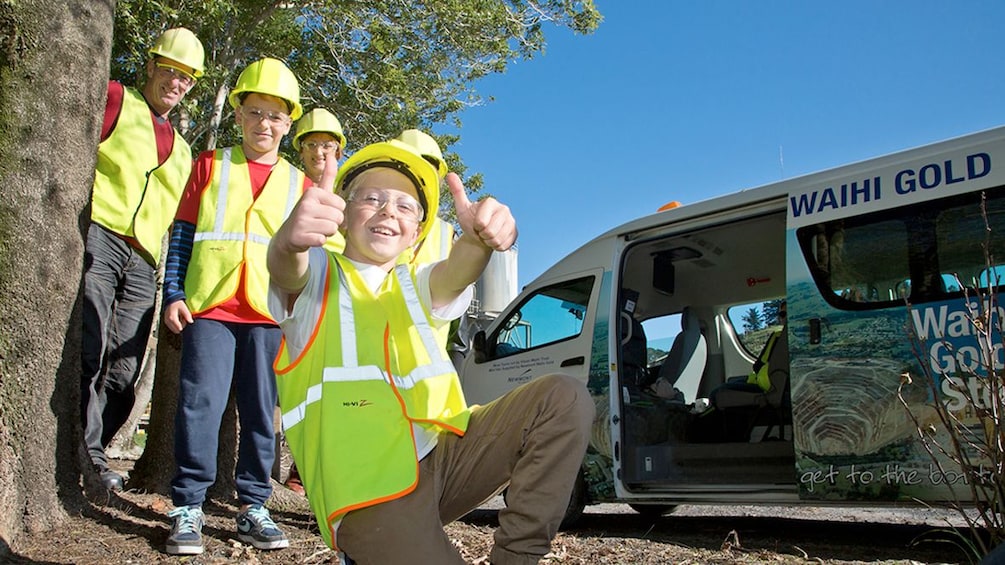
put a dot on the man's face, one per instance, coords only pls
(315, 148)
(380, 222)
(264, 120)
(168, 81)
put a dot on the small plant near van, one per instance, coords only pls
(964, 382)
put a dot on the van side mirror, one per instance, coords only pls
(479, 347)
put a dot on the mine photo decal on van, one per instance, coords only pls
(885, 277)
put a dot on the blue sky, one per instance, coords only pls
(673, 100)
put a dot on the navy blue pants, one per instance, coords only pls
(117, 312)
(217, 357)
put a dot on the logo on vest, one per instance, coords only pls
(356, 403)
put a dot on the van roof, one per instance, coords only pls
(761, 199)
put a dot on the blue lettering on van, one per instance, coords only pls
(927, 177)
(833, 199)
(934, 175)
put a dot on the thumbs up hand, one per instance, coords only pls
(487, 221)
(316, 217)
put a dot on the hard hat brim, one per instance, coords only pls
(420, 171)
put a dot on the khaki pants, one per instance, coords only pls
(533, 438)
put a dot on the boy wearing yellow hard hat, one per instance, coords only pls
(319, 137)
(141, 169)
(215, 293)
(373, 411)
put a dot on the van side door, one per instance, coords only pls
(882, 281)
(548, 329)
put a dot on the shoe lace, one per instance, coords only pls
(261, 515)
(186, 519)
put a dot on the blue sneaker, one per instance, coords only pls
(255, 526)
(186, 533)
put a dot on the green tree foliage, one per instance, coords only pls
(380, 65)
(752, 320)
(770, 312)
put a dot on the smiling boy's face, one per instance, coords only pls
(264, 120)
(378, 236)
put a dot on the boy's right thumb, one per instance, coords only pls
(329, 174)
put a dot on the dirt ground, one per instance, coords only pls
(130, 528)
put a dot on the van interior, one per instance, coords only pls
(698, 307)
(696, 310)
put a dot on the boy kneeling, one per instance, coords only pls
(387, 448)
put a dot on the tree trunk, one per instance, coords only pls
(53, 68)
(155, 468)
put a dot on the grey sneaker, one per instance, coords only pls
(255, 526)
(186, 533)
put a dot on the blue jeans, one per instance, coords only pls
(118, 310)
(217, 357)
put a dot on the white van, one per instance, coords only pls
(846, 250)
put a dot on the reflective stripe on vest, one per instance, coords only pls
(342, 412)
(133, 194)
(436, 247)
(352, 371)
(233, 232)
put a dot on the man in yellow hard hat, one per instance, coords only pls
(142, 166)
(319, 137)
(215, 290)
(373, 410)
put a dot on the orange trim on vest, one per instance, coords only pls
(310, 340)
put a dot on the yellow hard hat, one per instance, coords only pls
(183, 46)
(269, 76)
(321, 121)
(426, 146)
(404, 159)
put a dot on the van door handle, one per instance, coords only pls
(815, 337)
(574, 361)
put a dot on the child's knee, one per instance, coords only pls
(571, 393)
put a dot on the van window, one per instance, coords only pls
(554, 313)
(919, 253)
(992, 276)
(754, 322)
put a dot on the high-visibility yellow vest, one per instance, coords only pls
(371, 369)
(233, 231)
(760, 376)
(132, 195)
(335, 243)
(436, 246)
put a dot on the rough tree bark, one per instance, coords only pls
(53, 67)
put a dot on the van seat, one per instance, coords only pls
(685, 363)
